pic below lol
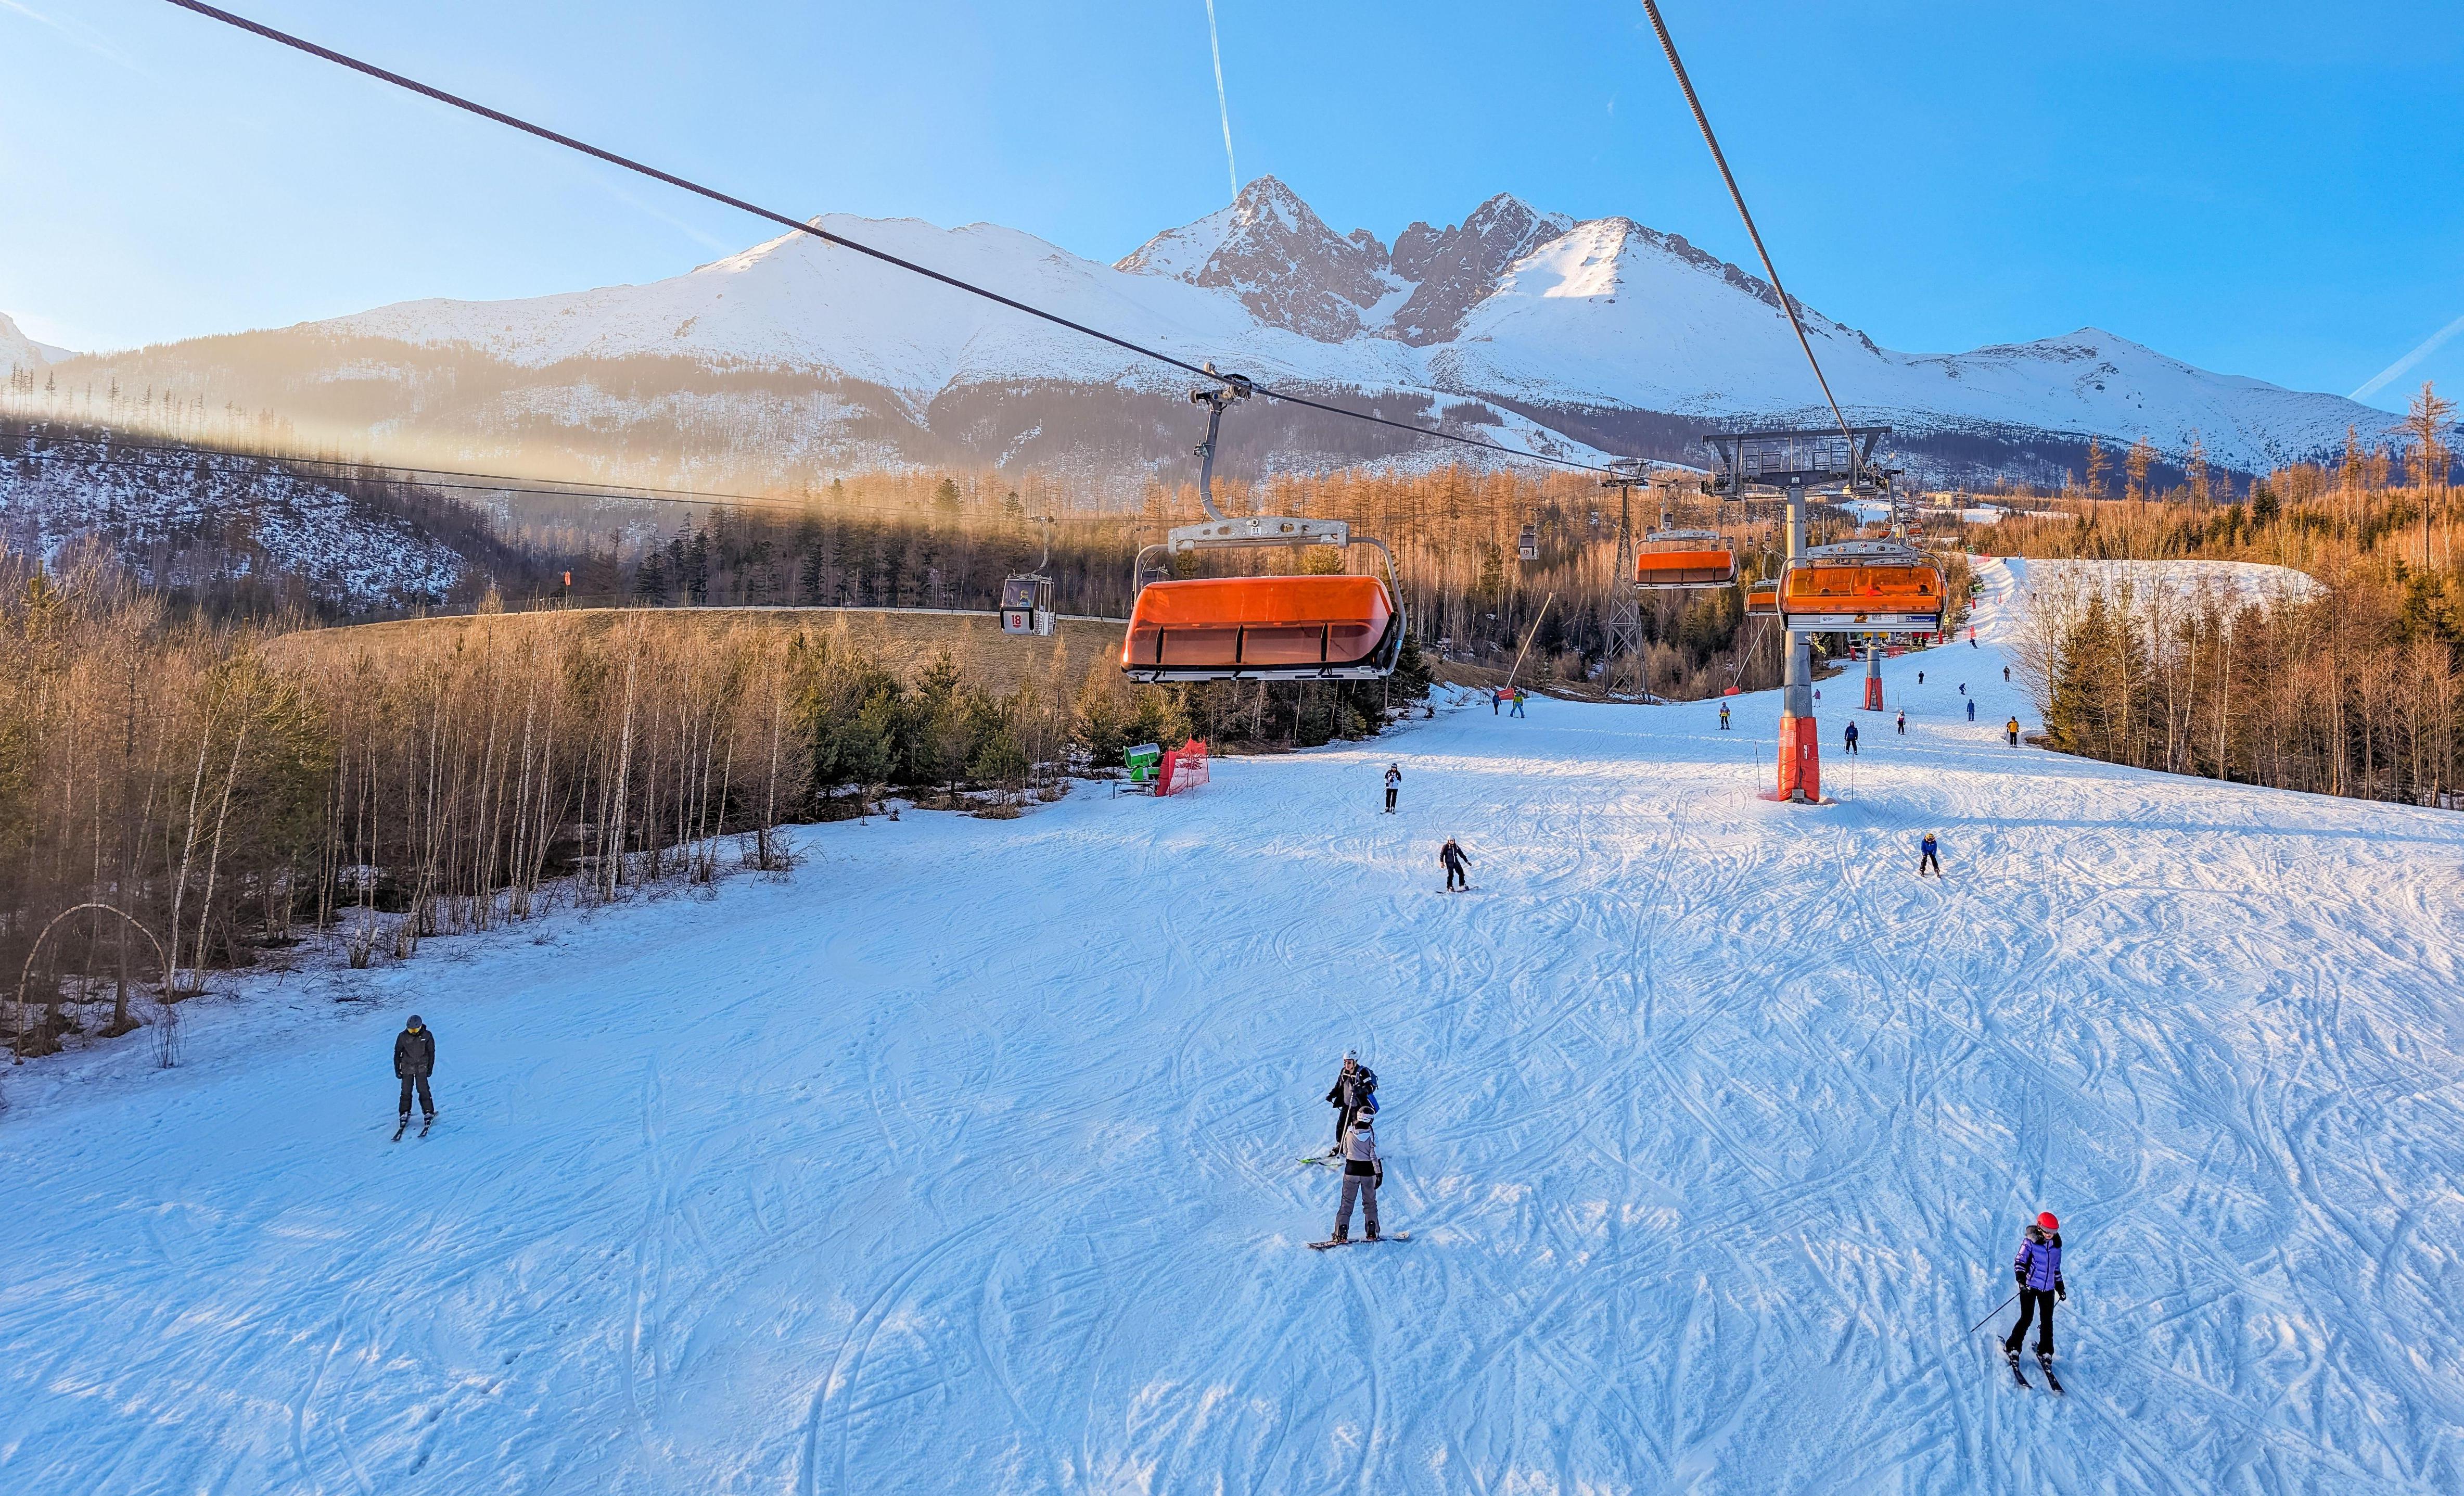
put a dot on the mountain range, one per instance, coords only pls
(1577, 339)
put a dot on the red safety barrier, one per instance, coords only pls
(1183, 767)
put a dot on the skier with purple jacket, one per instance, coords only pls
(2038, 1269)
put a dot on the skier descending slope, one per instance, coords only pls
(1354, 1089)
(1394, 784)
(414, 1060)
(2038, 1269)
(1848, 738)
(1723, 717)
(1452, 858)
(1929, 855)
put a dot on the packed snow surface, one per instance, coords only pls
(2189, 580)
(966, 1160)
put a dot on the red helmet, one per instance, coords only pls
(2046, 1220)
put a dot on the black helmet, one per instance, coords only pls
(414, 1021)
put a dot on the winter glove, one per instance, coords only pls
(1380, 1174)
(2061, 1290)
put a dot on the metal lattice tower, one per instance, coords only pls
(1625, 615)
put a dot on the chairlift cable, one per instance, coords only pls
(1719, 159)
(685, 183)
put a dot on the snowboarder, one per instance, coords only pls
(1452, 858)
(1848, 738)
(1363, 1171)
(1929, 855)
(1518, 702)
(414, 1061)
(1355, 1086)
(2011, 730)
(1395, 782)
(2038, 1269)
(1903, 721)
(1723, 717)
(1972, 708)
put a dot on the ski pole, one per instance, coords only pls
(1989, 1313)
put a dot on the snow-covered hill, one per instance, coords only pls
(17, 351)
(965, 1160)
(195, 519)
(1605, 333)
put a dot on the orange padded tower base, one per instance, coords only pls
(1800, 760)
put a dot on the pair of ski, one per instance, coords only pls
(424, 1126)
(2044, 1364)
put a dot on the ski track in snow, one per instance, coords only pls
(966, 1159)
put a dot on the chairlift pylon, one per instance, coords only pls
(1339, 626)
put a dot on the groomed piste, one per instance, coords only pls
(966, 1159)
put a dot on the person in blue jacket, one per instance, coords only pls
(1972, 708)
(1848, 738)
(2039, 1270)
(1929, 855)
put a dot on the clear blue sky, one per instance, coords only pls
(2265, 188)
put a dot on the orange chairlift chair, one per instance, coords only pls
(1344, 626)
(1670, 559)
(1861, 586)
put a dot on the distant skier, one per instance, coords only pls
(414, 1061)
(1453, 859)
(1903, 721)
(1355, 1086)
(1848, 738)
(1496, 698)
(1518, 702)
(1972, 708)
(2006, 674)
(1920, 677)
(2038, 1269)
(1963, 688)
(1929, 855)
(1395, 782)
(2010, 729)
(1363, 1171)
(1723, 717)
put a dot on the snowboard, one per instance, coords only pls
(1360, 1240)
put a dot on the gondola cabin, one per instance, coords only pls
(1527, 545)
(1027, 606)
(1322, 627)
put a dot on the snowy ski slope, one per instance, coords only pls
(965, 1162)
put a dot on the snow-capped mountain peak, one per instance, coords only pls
(1272, 251)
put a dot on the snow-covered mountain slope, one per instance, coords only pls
(196, 519)
(966, 1159)
(17, 351)
(1615, 334)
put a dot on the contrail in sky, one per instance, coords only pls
(1217, 43)
(2396, 371)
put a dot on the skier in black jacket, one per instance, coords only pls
(1455, 862)
(414, 1060)
(1355, 1085)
